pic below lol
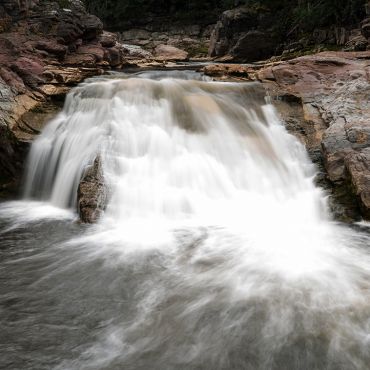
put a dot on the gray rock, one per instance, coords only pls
(92, 193)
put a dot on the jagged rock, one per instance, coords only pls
(171, 53)
(92, 194)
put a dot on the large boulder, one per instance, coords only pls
(244, 34)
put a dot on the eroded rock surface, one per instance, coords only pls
(92, 194)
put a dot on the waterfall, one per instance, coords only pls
(215, 250)
(175, 149)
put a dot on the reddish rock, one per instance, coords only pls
(167, 52)
(52, 47)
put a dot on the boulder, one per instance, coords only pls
(108, 39)
(135, 52)
(244, 35)
(167, 52)
(92, 194)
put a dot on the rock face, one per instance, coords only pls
(244, 34)
(45, 49)
(256, 32)
(92, 194)
(333, 89)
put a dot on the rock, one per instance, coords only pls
(135, 52)
(52, 47)
(336, 85)
(227, 71)
(241, 33)
(357, 43)
(108, 39)
(358, 167)
(92, 27)
(92, 194)
(114, 56)
(170, 53)
(365, 27)
(29, 70)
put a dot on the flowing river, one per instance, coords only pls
(215, 251)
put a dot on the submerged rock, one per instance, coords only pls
(92, 194)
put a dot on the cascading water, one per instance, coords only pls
(215, 250)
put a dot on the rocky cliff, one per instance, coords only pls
(256, 32)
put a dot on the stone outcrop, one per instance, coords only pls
(45, 49)
(243, 34)
(92, 193)
(333, 89)
(251, 33)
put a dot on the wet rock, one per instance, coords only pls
(92, 193)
